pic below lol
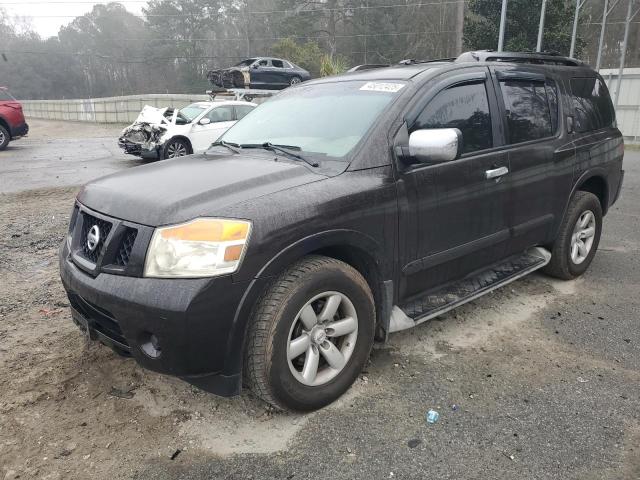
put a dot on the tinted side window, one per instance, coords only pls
(527, 110)
(592, 104)
(221, 114)
(465, 107)
(552, 96)
(242, 110)
(277, 63)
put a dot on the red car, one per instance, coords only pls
(12, 123)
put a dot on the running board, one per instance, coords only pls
(452, 295)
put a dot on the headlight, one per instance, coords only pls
(204, 247)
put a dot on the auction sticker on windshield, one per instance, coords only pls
(382, 87)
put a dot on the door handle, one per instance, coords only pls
(496, 172)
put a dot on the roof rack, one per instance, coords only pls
(540, 58)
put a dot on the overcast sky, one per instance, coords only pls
(47, 16)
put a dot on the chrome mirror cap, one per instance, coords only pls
(435, 144)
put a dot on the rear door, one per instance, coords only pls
(454, 218)
(539, 152)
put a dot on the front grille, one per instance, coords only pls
(119, 249)
(124, 252)
(100, 320)
(104, 227)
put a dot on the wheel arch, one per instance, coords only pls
(183, 138)
(595, 183)
(5, 124)
(354, 248)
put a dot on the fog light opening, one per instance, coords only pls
(150, 345)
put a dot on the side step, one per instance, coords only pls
(436, 302)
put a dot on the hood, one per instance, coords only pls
(180, 189)
(150, 126)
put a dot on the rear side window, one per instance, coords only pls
(528, 110)
(465, 107)
(277, 63)
(592, 104)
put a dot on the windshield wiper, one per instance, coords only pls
(231, 146)
(286, 149)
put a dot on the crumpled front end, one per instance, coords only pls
(230, 77)
(145, 135)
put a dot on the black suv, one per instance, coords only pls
(342, 210)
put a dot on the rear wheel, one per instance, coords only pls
(579, 237)
(295, 80)
(310, 336)
(4, 137)
(176, 148)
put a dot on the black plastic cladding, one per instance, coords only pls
(386, 213)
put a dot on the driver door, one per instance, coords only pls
(220, 120)
(259, 73)
(455, 217)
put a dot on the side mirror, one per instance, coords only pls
(435, 145)
(205, 121)
(255, 65)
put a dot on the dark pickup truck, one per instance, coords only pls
(340, 211)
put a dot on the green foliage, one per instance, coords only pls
(307, 55)
(333, 65)
(482, 23)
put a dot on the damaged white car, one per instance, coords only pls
(168, 132)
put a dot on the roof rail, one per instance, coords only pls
(413, 61)
(368, 66)
(541, 58)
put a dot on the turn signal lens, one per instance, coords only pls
(204, 247)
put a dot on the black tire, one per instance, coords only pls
(4, 137)
(561, 265)
(295, 80)
(176, 145)
(267, 371)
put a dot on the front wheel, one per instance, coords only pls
(175, 148)
(578, 239)
(310, 336)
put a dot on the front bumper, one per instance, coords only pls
(137, 150)
(192, 320)
(19, 131)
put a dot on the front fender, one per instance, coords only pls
(278, 263)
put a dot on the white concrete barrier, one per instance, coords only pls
(104, 110)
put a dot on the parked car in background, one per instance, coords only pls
(259, 73)
(343, 211)
(168, 132)
(12, 122)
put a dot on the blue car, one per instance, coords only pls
(259, 73)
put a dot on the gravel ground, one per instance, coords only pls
(538, 380)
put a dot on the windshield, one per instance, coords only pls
(326, 119)
(192, 111)
(245, 63)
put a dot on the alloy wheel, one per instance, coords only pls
(582, 237)
(322, 338)
(176, 149)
